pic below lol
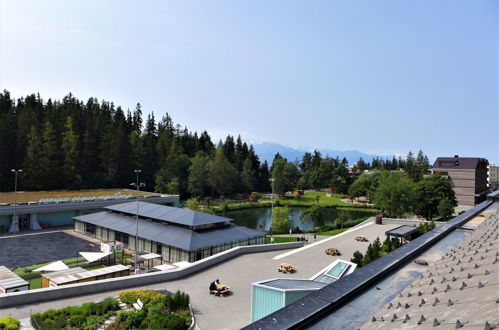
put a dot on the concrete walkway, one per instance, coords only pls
(238, 274)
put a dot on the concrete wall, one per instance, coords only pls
(39, 295)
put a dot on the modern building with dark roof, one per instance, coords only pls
(174, 233)
(468, 176)
(27, 210)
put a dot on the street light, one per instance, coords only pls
(137, 185)
(16, 172)
(272, 199)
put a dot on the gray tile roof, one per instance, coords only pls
(167, 213)
(459, 291)
(176, 236)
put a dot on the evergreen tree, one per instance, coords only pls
(263, 177)
(358, 258)
(248, 176)
(33, 171)
(70, 156)
(50, 158)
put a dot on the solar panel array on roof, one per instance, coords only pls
(168, 214)
(179, 237)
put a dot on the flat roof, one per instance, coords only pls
(179, 237)
(176, 215)
(81, 275)
(70, 195)
(402, 231)
(65, 272)
(10, 280)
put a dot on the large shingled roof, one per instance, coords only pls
(167, 213)
(459, 291)
(182, 238)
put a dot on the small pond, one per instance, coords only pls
(260, 218)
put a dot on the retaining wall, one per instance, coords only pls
(39, 295)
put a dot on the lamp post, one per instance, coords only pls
(137, 185)
(272, 207)
(16, 172)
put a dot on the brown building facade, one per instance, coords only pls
(468, 177)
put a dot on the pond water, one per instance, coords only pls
(260, 218)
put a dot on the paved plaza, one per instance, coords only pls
(35, 248)
(233, 311)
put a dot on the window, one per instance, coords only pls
(90, 229)
(121, 237)
(337, 270)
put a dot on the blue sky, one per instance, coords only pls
(381, 77)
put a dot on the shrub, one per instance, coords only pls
(76, 320)
(9, 323)
(161, 322)
(135, 317)
(175, 322)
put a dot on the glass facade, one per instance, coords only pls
(169, 253)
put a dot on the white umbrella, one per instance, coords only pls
(52, 267)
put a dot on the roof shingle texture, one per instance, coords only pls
(167, 213)
(459, 291)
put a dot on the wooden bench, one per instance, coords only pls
(221, 290)
(285, 268)
(138, 305)
(333, 252)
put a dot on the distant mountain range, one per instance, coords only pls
(267, 151)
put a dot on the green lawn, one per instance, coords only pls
(281, 239)
(35, 281)
(332, 232)
(310, 199)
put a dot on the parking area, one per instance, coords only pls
(233, 311)
(35, 248)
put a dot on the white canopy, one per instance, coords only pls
(94, 256)
(164, 267)
(52, 267)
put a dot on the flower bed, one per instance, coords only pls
(86, 317)
(160, 311)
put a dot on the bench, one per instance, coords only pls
(138, 305)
